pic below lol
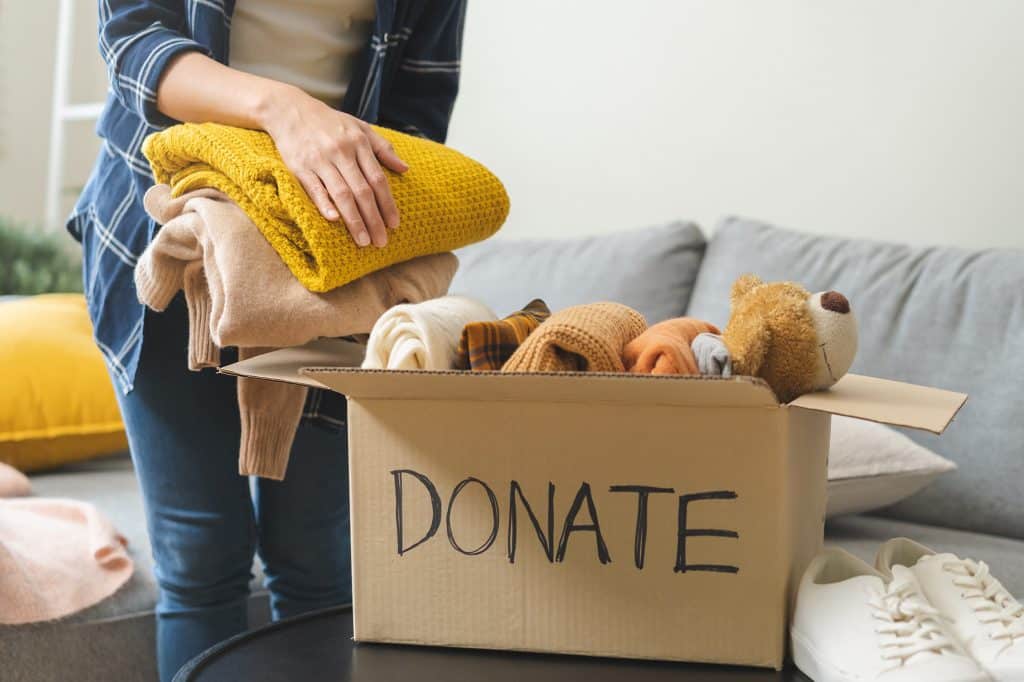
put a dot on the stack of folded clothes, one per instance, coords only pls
(793, 341)
(457, 332)
(445, 199)
(261, 269)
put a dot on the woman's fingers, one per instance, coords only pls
(379, 184)
(365, 199)
(384, 152)
(342, 196)
(342, 175)
(315, 189)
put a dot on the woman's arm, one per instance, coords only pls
(335, 156)
(146, 50)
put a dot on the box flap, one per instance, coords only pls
(887, 402)
(578, 387)
(286, 364)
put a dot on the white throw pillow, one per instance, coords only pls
(871, 466)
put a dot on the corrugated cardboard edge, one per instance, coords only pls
(808, 478)
(589, 653)
(552, 387)
(334, 364)
(285, 364)
(887, 402)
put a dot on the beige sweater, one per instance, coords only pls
(240, 293)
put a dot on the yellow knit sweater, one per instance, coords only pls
(445, 199)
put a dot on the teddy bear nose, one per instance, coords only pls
(835, 301)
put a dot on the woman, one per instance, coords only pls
(313, 74)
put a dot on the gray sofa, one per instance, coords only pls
(938, 316)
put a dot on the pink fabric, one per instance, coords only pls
(57, 556)
(13, 483)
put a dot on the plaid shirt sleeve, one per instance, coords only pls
(423, 93)
(138, 39)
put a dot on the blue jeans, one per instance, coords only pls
(204, 521)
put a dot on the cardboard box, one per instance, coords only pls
(613, 515)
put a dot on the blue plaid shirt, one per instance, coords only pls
(406, 78)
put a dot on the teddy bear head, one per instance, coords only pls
(796, 341)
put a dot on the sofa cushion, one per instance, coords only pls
(651, 270)
(935, 316)
(113, 639)
(58, 405)
(862, 535)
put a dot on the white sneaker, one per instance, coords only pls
(984, 618)
(853, 624)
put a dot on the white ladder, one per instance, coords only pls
(63, 112)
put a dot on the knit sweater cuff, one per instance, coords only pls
(202, 351)
(266, 444)
(156, 292)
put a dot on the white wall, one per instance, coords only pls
(895, 119)
(28, 30)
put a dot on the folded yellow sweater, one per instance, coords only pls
(445, 199)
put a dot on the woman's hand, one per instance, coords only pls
(337, 158)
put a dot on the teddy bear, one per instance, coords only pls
(796, 341)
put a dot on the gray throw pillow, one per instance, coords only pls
(651, 270)
(935, 316)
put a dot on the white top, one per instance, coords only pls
(311, 44)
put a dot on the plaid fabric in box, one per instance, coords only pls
(485, 346)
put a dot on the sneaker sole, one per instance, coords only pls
(806, 659)
(814, 666)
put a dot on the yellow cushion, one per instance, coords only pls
(445, 200)
(57, 403)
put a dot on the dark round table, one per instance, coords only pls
(318, 647)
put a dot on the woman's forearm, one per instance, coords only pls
(335, 157)
(197, 89)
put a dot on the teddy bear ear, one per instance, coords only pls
(744, 285)
(748, 341)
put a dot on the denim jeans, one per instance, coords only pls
(205, 521)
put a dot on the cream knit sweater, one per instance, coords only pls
(423, 335)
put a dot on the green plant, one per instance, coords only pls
(33, 262)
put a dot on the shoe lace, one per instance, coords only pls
(995, 606)
(907, 625)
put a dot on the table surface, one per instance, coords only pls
(318, 647)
